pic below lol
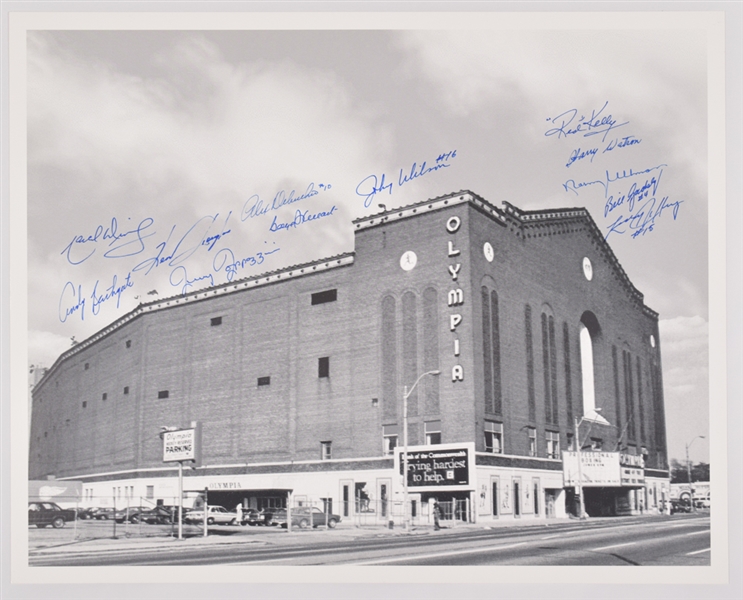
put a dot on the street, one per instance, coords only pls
(657, 540)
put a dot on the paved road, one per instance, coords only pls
(679, 540)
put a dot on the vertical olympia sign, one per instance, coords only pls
(455, 297)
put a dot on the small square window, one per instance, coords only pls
(323, 367)
(128, 343)
(389, 438)
(126, 390)
(433, 432)
(553, 444)
(493, 437)
(264, 381)
(85, 404)
(105, 396)
(326, 450)
(532, 441)
(216, 321)
(597, 444)
(163, 394)
(323, 297)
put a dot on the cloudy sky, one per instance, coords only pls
(165, 142)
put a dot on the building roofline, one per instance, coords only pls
(231, 287)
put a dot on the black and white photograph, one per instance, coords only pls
(370, 292)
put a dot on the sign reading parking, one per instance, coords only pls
(179, 445)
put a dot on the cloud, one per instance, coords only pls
(198, 136)
(685, 356)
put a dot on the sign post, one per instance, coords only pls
(181, 445)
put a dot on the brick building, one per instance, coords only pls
(297, 377)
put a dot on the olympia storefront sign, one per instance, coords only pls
(444, 466)
(603, 469)
(180, 445)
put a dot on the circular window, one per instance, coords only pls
(587, 268)
(408, 260)
(488, 251)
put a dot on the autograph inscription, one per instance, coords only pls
(372, 184)
(300, 218)
(643, 220)
(569, 123)
(254, 206)
(575, 186)
(119, 242)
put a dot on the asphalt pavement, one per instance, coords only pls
(42, 543)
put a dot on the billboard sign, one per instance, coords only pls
(439, 467)
(181, 445)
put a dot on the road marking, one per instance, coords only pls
(698, 551)
(697, 532)
(614, 546)
(436, 555)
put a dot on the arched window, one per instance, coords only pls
(589, 333)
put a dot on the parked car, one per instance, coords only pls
(215, 515)
(159, 515)
(305, 517)
(86, 513)
(701, 502)
(103, 513)
(251, 517)
(130, 514)
(42, 514)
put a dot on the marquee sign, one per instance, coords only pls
(603, 469)
(439, 467)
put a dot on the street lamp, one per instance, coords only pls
(407, 393)
(597, 418)
(688, 471)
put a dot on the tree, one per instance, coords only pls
(680, 474)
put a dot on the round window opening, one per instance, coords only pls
(488, 251)
(587, 268)
(408, 260)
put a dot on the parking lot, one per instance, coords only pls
(92, 529)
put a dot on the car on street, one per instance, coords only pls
(683, 505)
(42, 514)
(216, 515)
(305, 517)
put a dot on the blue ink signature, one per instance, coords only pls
(372, 185)
(254, 206)
(113, 291)
(129, 247)
(635, 194)
(225, 259)
(596, 124)
(179, 277)
(195, 237)
(643, 221)
(78, 306)
(573, 186)
(624, 142)
(578, 155)
(300, 218)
